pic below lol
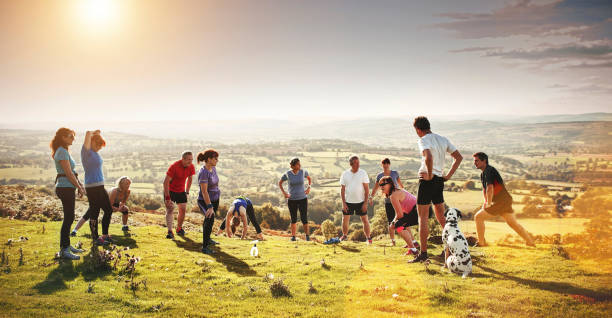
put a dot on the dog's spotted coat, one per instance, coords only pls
(459, 260)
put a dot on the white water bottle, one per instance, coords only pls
(254, 250)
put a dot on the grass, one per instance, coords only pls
(356, 281)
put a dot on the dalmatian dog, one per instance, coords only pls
(459, 260)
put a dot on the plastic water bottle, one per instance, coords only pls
(254, 250)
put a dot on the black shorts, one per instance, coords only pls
(431, 191)
(390, 212)
(294, 206)
(500, 207)
(408, 219)
(355, 208)
(178, 197)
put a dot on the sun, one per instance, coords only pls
(98, 13)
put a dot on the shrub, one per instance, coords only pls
(329, 229)
(279, 289)
(357, 236)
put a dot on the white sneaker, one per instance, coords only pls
(66, 254)
(75, 250)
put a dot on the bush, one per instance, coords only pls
(271, 216)
(358, 236)
(279, 289)
(329, 229)
(379, 224)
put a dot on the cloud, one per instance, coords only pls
(475, 49)
(565, 52)
(585, 19)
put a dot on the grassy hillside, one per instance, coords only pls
(356, 281)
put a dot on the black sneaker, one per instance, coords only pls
(180, 232)
(207, 250)
(293, 239)
(170, 235)
(420, 258)
(307, 237)
(101, 242)
(212, 242)
(73, 233)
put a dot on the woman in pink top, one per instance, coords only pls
(406, 214)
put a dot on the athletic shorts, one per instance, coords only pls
(294, 206)
(178, 197)
(354, 208)
(390, 212)
(431, 191)
(500, 207)
(408, 219)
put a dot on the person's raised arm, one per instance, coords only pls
(456, 162)
(87, 142)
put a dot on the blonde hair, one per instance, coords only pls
(118, 182)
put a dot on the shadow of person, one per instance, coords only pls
(125, 241)
(349, 248)
(555, 287)
(231, 263)
(56, 279)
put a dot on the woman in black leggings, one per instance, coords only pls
(208, 198)
(94, 185)
(243, 202)
(66, 183)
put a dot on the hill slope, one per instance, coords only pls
(357, 281)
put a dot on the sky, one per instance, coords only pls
(151, 60)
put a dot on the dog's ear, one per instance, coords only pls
(459, 214)
(445, 213)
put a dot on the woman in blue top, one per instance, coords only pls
(66, 183)
(208, 198)
(297, 197)
(241, 208)
(94, 185)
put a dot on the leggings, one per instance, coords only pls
(98, 199)
(294, 206)
(67, 196)
(250, 218)
(208, 222)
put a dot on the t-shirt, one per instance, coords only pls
(212, 179)
(62, 154)
(296, 184)
(439, 146)
(491, 176)
(394, 176)
(179, 175)
(92, 164)
(241, 202)
(353, 182)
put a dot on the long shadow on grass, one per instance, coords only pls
(232, 263)
(349, 248)
(556, 287)
(56, 279)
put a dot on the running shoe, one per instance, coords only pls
(307, 237)
(75, 250)
(180, 232)
(212, 242)
(293, 239)
(73, 233)
(66, 254)
(420, 258)
(343, 238)
(101, 242)
(369, 241)
(411, 252)
(125, 228)
(170, 235)
(207, 251)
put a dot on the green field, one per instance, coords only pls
(357, 281)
